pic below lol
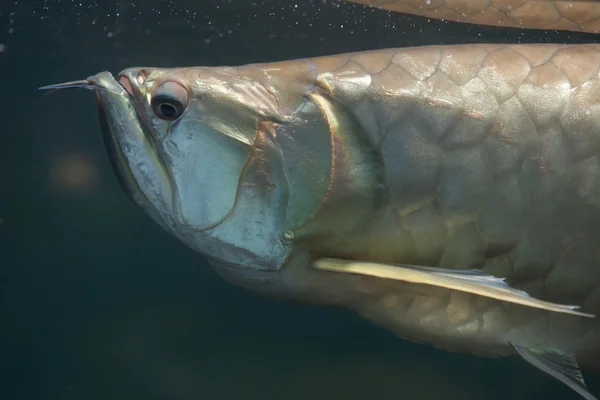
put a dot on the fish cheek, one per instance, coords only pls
(205, 168)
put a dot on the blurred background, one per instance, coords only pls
(98, 302)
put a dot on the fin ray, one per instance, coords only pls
(471, 281)
(562, 367)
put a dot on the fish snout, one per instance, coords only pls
(133, 78)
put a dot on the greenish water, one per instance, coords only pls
(98, 303)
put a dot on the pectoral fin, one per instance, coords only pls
(563, 367)
(471, 281)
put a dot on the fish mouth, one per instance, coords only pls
(137, 166)
(105, 85)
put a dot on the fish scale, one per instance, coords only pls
(459, 200)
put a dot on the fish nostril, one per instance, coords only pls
(124, 81)
(140, 79)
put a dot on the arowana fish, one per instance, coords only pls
(450, 194)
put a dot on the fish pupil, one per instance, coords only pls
(166, 107)
(168, 110)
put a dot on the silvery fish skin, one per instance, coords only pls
(429, 156)
(457, 157)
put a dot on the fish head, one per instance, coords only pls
(194, 147)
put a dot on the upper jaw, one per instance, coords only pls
(105, 80)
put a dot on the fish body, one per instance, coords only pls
(578, 15)
(450, 194)
(433, 156)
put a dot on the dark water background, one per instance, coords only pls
(98, 303)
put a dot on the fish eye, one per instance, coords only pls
(169, 101)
